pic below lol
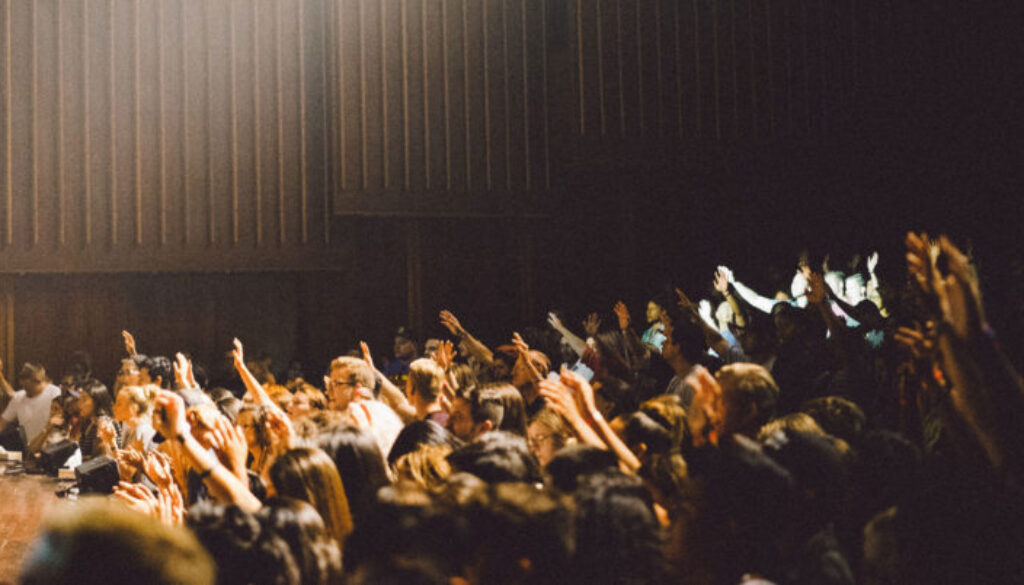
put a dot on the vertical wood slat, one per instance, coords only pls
(61, 194)
(113, 126)
(137, 122)
(207, 66)
(186, 191)
(426, 95)
(256, 126)
(86, 129)
(325, 73)
(161, 124)
(447, 100)
(233, 74)
(281, 226)
(8, 126)
(406, 138)
(363, 131)
(303, 163)
(35, 128)
(385, 153)
(526, 99)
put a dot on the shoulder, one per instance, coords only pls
(51, 391)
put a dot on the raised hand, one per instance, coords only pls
(157, 467)
(129, 343)
(367, 356)
(519, 344)
(872, 261)
(229, 442)
(169, 415)
(170, 506)
(580, 389)
(959, 292)
(591, 324)
(816, 288)
(451, 322)
(445, 355)
(721, 280)
(920, 254)
(555, 322)
(238, 353)
(184, 377)
(279, 428)
(106, 433)
(726, 273)
(622, 314)
(560, 399)
(137, 497)
(129, 462)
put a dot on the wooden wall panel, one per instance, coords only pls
(164, 134)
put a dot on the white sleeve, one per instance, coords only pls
(10, 414)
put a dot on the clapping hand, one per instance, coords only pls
(622, 314)
(591, 324)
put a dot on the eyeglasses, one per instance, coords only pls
(536, 440)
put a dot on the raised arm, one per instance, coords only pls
(749, 296)
(712, 336)
(575, 342)
(474, 346)
(390, 394)
(723, 280)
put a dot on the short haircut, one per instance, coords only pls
(837, 416)
(360, 373)
(101, 541)
(485, 404)
(497, 457)
(753, 387)
(426, 378)
(689, 338)
(31, 370)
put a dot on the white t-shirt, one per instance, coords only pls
(31, 413)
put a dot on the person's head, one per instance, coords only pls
(855, 288)
(576, 462)
(653, 312)
(417, 434)
(134, 402)
(307, 400)
(310, 475)
(523, 536)
(501, 368)
(360, 464)
(425, 382)
(430, 347)
(155, 370)
(427, 466)
(280, 395)
(95, 401)
(405, 345)
(794, 421)
(475, 412)
(81, 366)
(346, 376)
(617, 534)
(316, 553)
(684, 343)
(253, 420)
(32, 378)
(522, 377)
(497, 457)
(749, 397)
(513, 408)
(837, 416)
(245, 552)
(103, 542)
(546, 435)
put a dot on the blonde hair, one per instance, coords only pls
(797, 421)
(426, 378)
(427, 466)
(360, 373)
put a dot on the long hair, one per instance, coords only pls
(359, 463)
(309, 475)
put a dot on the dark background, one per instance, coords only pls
(193, 173)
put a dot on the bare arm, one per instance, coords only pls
(575, 342)
(389, 393)
(474, 346)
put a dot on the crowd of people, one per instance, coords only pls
(847, 430)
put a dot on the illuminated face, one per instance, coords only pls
(86, 406)
(299, 407)
(341, 388)
(430, 347)
(653, 312)
(543, 442)
(128, 375)
(460, 421)
(124, 408)
(33, 384)
(405, 349)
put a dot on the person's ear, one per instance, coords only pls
(484, 427)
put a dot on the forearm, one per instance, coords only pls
(737, 309)
(604, 430)
(577, 343)
(477, 348)
(5, 387)
(752, 298)
(218, 478)
(395, 398)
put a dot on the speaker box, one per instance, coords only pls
(54, 457)
(97, 476)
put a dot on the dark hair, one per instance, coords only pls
(485, 404)
(316, 554)
(103, 402)
(689, 338)
(310, 475)
(573, 463)
(497, 456)
(617, 533)
(245, 553)
(837, 416)
(156, 366)
(259, 422)
(417, 434)
(361, 466)
(513, 419)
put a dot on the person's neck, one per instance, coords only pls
(422, 411)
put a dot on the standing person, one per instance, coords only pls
(654, 336)
(406, 351)
(30, 406)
